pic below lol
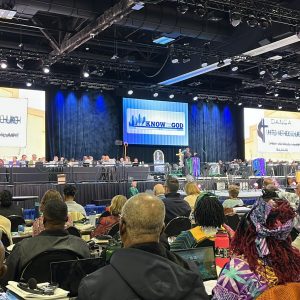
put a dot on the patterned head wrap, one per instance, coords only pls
(259, 215)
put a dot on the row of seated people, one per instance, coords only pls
(263, 258)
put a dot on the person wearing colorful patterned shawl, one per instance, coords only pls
(262, 253)
(209, 217)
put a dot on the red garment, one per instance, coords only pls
(105, 224)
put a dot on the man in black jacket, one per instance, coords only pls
(143, 269)
(174, 203)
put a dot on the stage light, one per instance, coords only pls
(235, 19)
(20, 64)
(204, 64)
(200, 10)
(182, 8)
(234, 67)
(3, 64)
(171, 96)
(279, 106)
(240, 104)
(29, 83)
(195, 98)
(276, 93)
(264, 23)
(252, 21)
(155, 95)
(298, 108)
(262, 71)
(259, 105)
(297, 96)
(174, 59)
(130, 92)
(85, 71)
(46, 69)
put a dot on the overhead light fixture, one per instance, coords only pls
(276, 93)
(285, 75)
(46, 69)
(138, 6)
(279, 106)
(115, 57)
(220, 63)
(195, 98)
(298, 108)
(20, 64)
(186, 58)
(262, 71)
(29, 83)
(174, 59)
(7, 13)
(240, 104)
(235, 19)
(234, 67)
(182, 8)
(130, 92)
(85, 71)
(264, 23)
(252, 21)
(155, 95)
(3, 63)
(163, 40)
(269, 90)
(275, 57)
(200, 10)
(171, 96)
(297, 95)
(204, 64)
(259, 105)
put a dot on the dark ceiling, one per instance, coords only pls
(114, 41)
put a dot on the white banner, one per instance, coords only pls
(278, 135)
(142, 121)
(13, 122)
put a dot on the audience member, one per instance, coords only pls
(7, 208)
(69, 197)
(23, 161)
(106, 223)
(193, 191)
(54, 237)
(262, 253)
(159, 191)
(14, 162)
(3, 269)
(143, 269)
(233, 201)
(38, 225)
(5, 228)
(209, 217)
(174, 203)
(133, 189)
(33, 160)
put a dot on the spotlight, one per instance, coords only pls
(285, 75)
(240, 104)
(203, 65)
(262, 71)
(155, 95)
(174, 59)
(3, 63)
(200, 10)
(171, 96)
(264, 23)
(182, 8)
(297, 96)
(20, 64)
(259, 105)
(85, 71)
(252, 21)
(276, 93)
(130, 92)
(195, 98)
(279, 106)
(298, 108)
(186, 59)
(234, 67)
(235, 19)
(29, 83)
(46, 69)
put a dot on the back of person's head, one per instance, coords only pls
(264, 235)
(143, 215)
(117, 203)
(48, 196)
(158, 189)
(70, 190)
(191, 188)
(172, 185)
(268, 181)
(209, 211)
(233, 191)
(6, 198)
(55, 214)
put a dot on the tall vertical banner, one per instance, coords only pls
(13, 122)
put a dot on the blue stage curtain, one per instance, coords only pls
(81, 124)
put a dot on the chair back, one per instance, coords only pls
(114, 230)
(39, 266)
(232, 221)
(15, 222)
(288, 291)
(177, 225)
(73, 231)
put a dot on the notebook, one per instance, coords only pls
(204, 258)
(68, 274)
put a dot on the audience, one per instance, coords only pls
(5, 228)
(143, 269)
(133, 189)
(7, 208)
(69, 197)
(193, 191)
(233, 201)
(159, 191)
(106, 223)
(54, 237)
(262, 253)
(174, 203)
(3, 269)
(209, 217)
(38, 225)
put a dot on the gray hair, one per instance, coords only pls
(143, 214)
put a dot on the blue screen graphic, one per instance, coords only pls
(149, 122)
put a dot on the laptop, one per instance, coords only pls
(204, 258)
(68, 274)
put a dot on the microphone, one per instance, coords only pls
(31, 287)
(32, 283)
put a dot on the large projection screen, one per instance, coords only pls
(271, 134)
(149, 122)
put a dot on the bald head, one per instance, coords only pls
(143, 216)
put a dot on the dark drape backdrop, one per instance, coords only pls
(80, 124)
